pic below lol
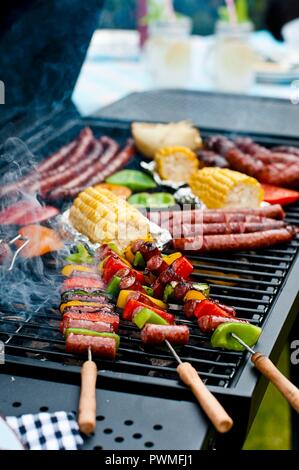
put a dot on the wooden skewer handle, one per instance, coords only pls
(214, 410)
(269, 370)
(87, 403)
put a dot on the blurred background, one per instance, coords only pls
(240, 46)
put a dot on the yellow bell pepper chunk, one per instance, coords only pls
(76, 303)
(69, 268)
(169, 259)
(194, 295)
(124, 294)
(129, 255)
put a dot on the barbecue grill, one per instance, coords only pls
(141, 404)
(261, 285)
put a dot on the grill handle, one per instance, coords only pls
(87, 403)
(214, 410)
(269, 370)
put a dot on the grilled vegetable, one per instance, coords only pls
(139, 260)
(81, 255)
(121, 191)
(182, 267)
(113, 263)
(133, 179)
(194, 295)
(104, 217)
(145, 315)
(88, 295)
(113, 286)
(275, 195)
(78, 303)
(68, 269)
(224, 188)
(169, 259)
(149, 138)
(152, 200)
(133, 306)
(222, 336)
(200, 308)
(42, 240)
(125, 295)
(176, 163)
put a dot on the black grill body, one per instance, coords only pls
(262, 285)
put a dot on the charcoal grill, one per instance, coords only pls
(261, 285)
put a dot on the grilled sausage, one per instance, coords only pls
(231, 227)
(91, 175)
(100, 346)
(156, 264)
(243, 241)
(100, 316)
(209, 323)
(286, 149)
(98, 174)
(210, 158)
(88, 325)
(189, 307)
(157, 334)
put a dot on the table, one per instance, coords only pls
(114, 67)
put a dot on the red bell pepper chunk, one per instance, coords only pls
(182, 267)
(275, 195)
(208, 307)
(113, 264)
(201, 308)
(133, 304)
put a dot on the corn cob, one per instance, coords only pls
(176, 163)
(104, 217)
(224, 188)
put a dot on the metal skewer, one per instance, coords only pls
(27, 240)
(87, 404)
(270, 371)
(213, 409)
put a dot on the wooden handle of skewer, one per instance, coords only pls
(269, 370)
(214, 410)
(87, 403)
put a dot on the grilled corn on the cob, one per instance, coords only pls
(224, 188)
(105, 217)
(176, 163)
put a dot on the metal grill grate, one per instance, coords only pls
(249, 281)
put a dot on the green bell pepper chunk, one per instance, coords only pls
(149, 291)
(85, 332)
(133, 179)
(152, 200)
(168, 291)
(145, 315)
(115, 248)
(81, 256)
(139, 260)
(113, 286)
(222, 338)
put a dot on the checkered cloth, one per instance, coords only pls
(47, 431)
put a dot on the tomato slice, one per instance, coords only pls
(276, 195)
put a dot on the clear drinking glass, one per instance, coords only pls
(233, 57)
(168, 52)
